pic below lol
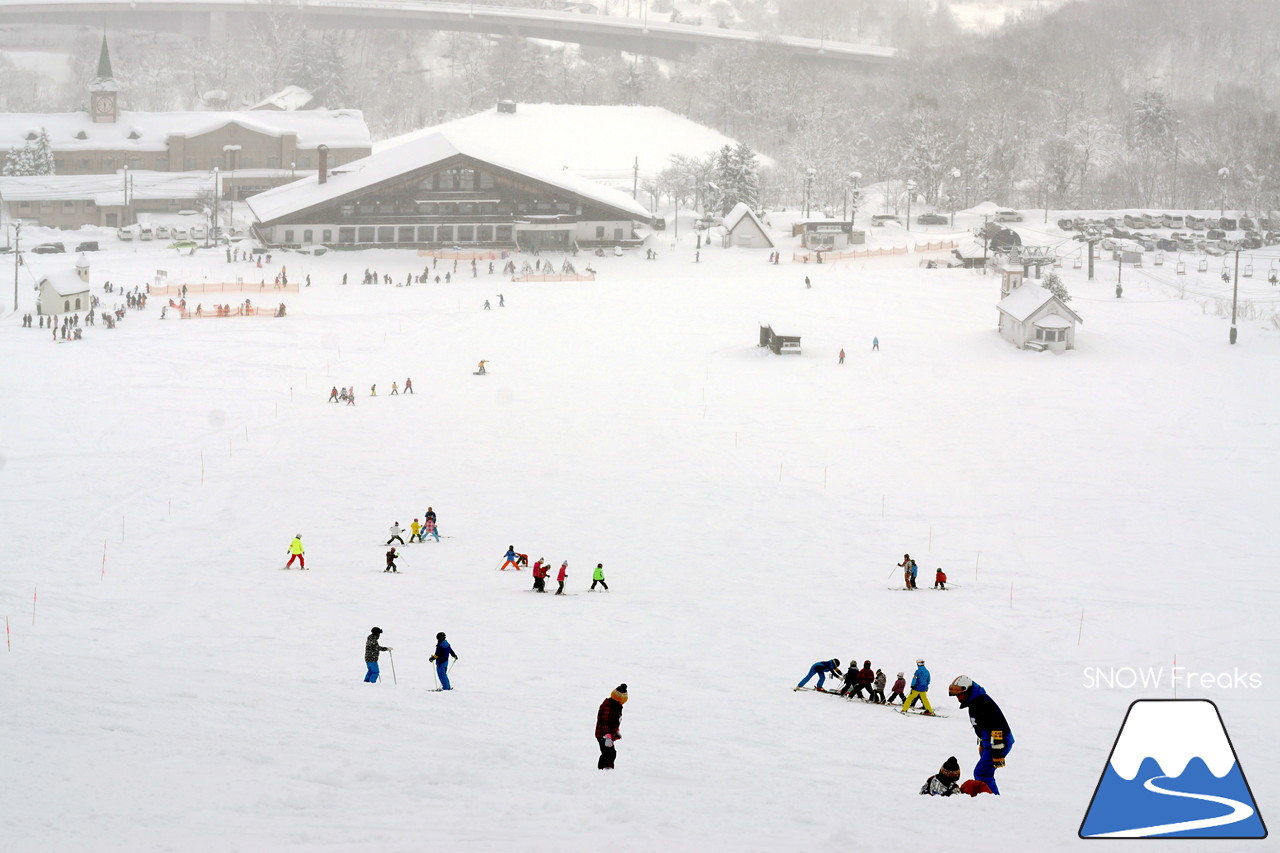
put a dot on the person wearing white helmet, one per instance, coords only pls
(919, 690)
(995, 740)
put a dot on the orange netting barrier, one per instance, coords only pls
(936, 246)
(222, 287)
(854, 254)
(230, 311)
(587, 276)
(450, 255)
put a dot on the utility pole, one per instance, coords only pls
(635, 174)
(17, 235)
(1235, 288)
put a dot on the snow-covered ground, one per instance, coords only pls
(1113, 506)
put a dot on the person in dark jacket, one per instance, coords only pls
(371, 650)
(995, 740)
(392, 556)
(866, 677)
(821, 669)
(944, 783)
(850, 680)
(441, 660)
(608, 723)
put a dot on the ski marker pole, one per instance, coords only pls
(394, 680)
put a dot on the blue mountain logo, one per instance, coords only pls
(1173, 773)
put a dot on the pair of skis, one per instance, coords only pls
(910, 713)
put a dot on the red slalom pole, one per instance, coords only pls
(34, 592)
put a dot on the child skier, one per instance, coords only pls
(540, 576)
(296, 552)
(560, 576)
(919, 690)
(333, 395)
(441, 659)
(608, 723)
(395, 534)
(415, 531)
(371, 650)
(820, 669)
(905, 565)
(510, 559)
(392, 556)
(866, 677)
(850, 680)
(429, 525)
(877, 688)
(597, 577)
(914, 571)
(944, 783)
(940, 579)
(898, 687)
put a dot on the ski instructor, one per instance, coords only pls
(441, 659)
(371, 650)
(995, 740)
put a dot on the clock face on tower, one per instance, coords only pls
(102, 105)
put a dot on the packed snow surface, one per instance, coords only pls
(169, 687)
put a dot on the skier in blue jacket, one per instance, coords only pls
(919, 690)
(820, 669)
(441, 659)
(995, 740)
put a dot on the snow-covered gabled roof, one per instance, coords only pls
(1030, 298)
(1053, 321)
(64, 282)
(138, 131)
(106, 190)
(415, 154)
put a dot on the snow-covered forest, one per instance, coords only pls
(1095, 103)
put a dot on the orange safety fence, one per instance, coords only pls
(451, 255)
(936, 245)
(223, 287)
(854, 254)
(231, 311)
(589, 276)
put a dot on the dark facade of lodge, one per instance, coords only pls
(458, 200)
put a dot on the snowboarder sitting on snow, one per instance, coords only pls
(940, 579)
(821, 669)
(995, 740)
(392, 556)
(944, 783)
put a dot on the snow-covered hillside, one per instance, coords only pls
(170, 688)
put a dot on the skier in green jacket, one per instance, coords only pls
(597, 577)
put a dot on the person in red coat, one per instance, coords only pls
(608, 721)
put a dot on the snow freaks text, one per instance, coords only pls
(1155, 677)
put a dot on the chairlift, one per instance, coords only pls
(1159, 261)
(1247, 272)
(1182, 266)
(1075, 264)
(1203, 266)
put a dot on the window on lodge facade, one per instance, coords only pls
(455, 179)
(1051, 336)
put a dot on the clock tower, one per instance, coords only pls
(103, 89)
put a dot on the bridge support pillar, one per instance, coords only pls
(217, 27)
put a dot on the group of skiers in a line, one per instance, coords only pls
(995, 740)
(348, 395)
(910, 570)
(542, 568)
(418, 532)
(440, 657)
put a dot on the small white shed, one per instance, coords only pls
(62, 292)
(743, 228)
(1033, 318)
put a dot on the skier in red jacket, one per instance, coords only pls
(608, 721)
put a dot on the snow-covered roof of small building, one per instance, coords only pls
(1053, 321)
(64, 282)
(969, 249)
(741, 210)
(138, 131)
(598, 142)
(1030, 298)
(106, 190)
(287, 99)
(418, 153)
(82, 262)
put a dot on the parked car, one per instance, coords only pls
(183, 245)
(1196, 223)
(1174, 221)
(1167, 245)
(162, 232)
(1186, 245)
(124, 233)
(1008, 216)
(1247, 224)
(1226, 223)
(88, 246)
(1266, 224)
(1215, 234)
(199, 232)
(882, 219)
(1254, 242)
(146, 232)
(1067, 224)
(179, 233)
(931, 219)
(49, 249)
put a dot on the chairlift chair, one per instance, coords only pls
(1075, 264)
(1159, 261)
(1247, 272)
(1203, 266)
(1182, 267)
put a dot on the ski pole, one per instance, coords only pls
(394, 680)
(435, 677)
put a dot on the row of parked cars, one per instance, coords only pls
(162, 232)
(1172, 220)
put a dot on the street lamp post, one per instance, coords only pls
(808, 188)
(1223, 174)
(1235, 289)
(17, 259)
(217, 197)
(911, 188)
(955, 180)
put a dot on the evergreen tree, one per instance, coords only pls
(1053, 283)
(42, 154)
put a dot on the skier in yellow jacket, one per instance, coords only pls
(295, 553)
